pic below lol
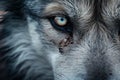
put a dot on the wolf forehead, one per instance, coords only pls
(79, 8)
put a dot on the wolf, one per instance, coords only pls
(61, 39)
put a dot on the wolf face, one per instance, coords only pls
(62, 39)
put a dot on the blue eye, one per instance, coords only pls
(61, 23)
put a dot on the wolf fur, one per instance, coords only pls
(31, 45)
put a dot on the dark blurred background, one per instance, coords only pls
(2, 63)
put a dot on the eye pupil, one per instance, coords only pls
(62, 19)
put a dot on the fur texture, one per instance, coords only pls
(87, 48)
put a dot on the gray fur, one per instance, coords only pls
(34, 43)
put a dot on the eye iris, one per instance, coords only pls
(61, 21)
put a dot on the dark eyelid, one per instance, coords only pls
(57, 15)
(54, 13)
